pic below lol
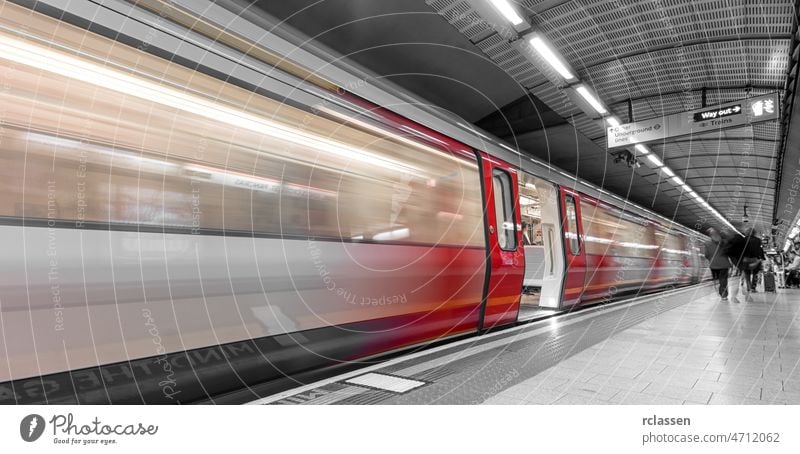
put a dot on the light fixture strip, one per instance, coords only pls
(556, 63)
(551, 58)
(654, 159)
(508, 11)
(583, 90)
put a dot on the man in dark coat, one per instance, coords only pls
(717, 255)
(746, 254)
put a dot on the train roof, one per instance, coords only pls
(362, 82)
(207, 52)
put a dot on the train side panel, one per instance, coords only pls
(505, 244)
(574, 251)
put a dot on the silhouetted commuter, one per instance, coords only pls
(793, 270)
(746, 254)
(717, 255)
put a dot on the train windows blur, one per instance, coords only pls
(673, 246)
(504, 210)
(572, 226)
(608, 231)
(80, 149)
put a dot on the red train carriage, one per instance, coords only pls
(173, 237)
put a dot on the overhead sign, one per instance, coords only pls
(713, 114)
(728, 115)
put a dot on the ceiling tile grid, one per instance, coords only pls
(461, 16)
(658, 56)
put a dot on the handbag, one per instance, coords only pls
(750, 263)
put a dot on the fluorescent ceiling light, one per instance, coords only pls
(686, 187)
(589, 97)
(508, 11)
(613, 121)
(677, 180)
(551, 58)
(641, 149)
(668, 171)
(654, 159)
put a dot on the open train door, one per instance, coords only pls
(543, 244)
(505, 260)
(575, 253)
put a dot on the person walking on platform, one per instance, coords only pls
(792, 270)
(717, 255)
(746, 254)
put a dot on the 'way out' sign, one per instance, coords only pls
(728, 115)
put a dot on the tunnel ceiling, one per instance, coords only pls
(644, 59)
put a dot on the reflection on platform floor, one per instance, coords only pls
(678, 347)
(703, 352)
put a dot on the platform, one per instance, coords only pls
(679, 347)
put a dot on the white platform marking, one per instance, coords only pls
(548, 325)
(387, 382)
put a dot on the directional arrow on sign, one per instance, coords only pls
(709, 118)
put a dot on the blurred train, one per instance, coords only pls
(170, 236)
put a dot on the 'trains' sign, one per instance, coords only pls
(728, 115)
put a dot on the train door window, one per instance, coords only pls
(504, 209)
(530, 206)
(572, 226)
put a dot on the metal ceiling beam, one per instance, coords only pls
(727, 139)
(787, 199)
(714, 155)
(695, 42)
(681, 92)
(768, 169)
(696, 187)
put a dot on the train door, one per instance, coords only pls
(543, 246)
(505, 260)
(574, 281)
(692, 259)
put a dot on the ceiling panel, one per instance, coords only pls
(647, 59)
